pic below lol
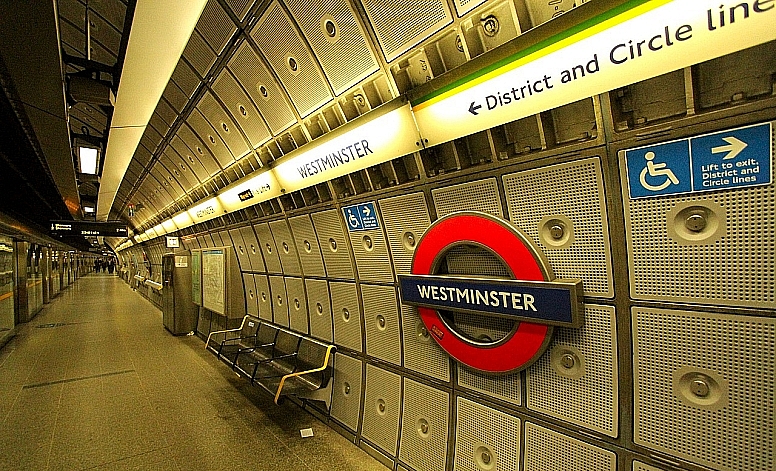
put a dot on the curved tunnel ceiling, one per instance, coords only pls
(256, 80)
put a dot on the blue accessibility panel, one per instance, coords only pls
(361, 217)
(660, 169)
(545, 302)
(733, 158)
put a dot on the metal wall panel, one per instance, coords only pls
(198, 151)
(639, 466)
(307, 245)
(542, 448)
(382, 408)
(251, 295)
(406, 219)
(284, 241)
(421, 353)
(240, 250)
(199, 54)
(335, 246)
(279, 300)
(268, 248)
(506, 387)
(253, 249)
(189, 158)
(216, 26)
(424, 427)
(289, 57)
(569, 196)
(485, 439)
(241, 108)
(297, 305)
(371, 253)
(347, 315)
(381, 323)
(319, 307)
(264, 297)
(670, 262)
(480, 195)
(346, 394)
(260, 85)
(576, 379)
(342, 50)
(715, 375)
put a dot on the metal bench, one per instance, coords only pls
(282, 362)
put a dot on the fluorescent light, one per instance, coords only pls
(88, 209)
(87, 160)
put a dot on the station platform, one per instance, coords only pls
(95, 382)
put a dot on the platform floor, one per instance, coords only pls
(95, 382)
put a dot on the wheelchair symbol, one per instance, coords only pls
(353, 221)
(656, 170)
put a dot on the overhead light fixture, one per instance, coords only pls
(88, 209)
(87, 159)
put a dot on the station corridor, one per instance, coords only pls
(96, 382)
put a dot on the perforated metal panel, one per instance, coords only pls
(346, 390)
(347, 315)
(481, 195)
(240, 7)
(291, 60)
(639, 466)
(242, 109)
(289, 259)
(268, 248)
(541, 11)
(260, 85)
(198, 151)
(715, 375)
(279, 300)
(215, 25)
(505, 387)
(344, 54)
(382, 408)
(576, 379)
(543, 452)
(401, 25)
(667, 262)
(570, 196)
(252, 249)
(423, 443)
(319, 307)
(307, 245)
(239, 249)
(421, 352)
(178, 167)
(371, 253)
(251, 296)
(210, 137)
(297, 305)
(199, 54)
(334, 245)
(381, 321)
(406, 218)
(463, 7)
(263, 297)
(224, 125)
(188, 156)
(485, 439)
(185, 78)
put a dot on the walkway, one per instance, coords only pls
(95, 382)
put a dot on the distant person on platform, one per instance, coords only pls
(96, 265)
(111, 266)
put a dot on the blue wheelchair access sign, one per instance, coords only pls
(361, 217)
(722, 160)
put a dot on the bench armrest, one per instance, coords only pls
(300, 373)
(225, 331)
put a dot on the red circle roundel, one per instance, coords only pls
(523, 345)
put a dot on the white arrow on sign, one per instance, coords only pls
(734, 147)
(367, 211)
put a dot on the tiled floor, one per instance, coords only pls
(95, 382)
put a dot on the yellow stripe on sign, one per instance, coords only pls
(551, 48)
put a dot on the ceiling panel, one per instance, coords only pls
(166, 112)
(242, 109)
(185, 78)
(210, 137)
(337, 39)
(216, 26)
(172, 161)
(260, 85)
(240, 7)
(199, 150)
(289, 57)
(187, 156)
(199, 54)
(224, 125)
(175, 96)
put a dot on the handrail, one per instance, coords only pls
(225, 331)
(299, 373)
